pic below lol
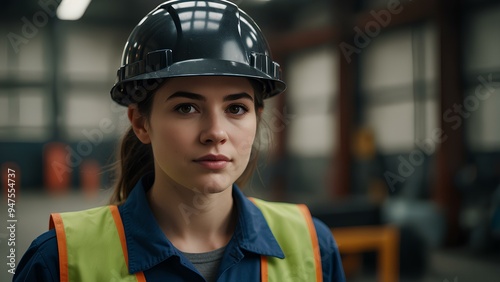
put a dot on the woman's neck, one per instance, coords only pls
(193, 221)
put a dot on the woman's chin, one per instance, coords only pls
(212, 185)
(212, 188)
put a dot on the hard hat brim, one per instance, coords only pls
(196, 67)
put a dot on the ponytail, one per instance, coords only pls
(254, 155)
(135, 161)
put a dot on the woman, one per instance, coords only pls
(194, 77)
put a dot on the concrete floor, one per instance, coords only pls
(33, 209)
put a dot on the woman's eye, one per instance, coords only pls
(237, 109)
(185, 109)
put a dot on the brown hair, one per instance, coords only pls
(135, 159)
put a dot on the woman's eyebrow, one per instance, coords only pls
(189, 95)
(233, 97)
(194, 96)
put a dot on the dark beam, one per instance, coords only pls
(471, 7)
(289, 43)
(410, 13)
(54, 51)
(451, 152)
(342, 159)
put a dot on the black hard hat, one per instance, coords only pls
(194, 38)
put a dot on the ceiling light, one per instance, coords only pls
(72, 10)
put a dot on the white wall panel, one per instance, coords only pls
(387, 61)
(90, 54)
(312, 75)
(4, 110)
(311, 135)
(483, 120)
(393, 126)
(31, 58)
(482, 41)
(312, 79)
(33, 110)
(4, 45)
(84, 111)
(390, 67)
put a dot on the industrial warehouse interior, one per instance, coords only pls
(388, 129)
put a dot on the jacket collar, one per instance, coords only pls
(147, 245)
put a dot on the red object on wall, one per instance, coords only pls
(56, 170)
(90, 177)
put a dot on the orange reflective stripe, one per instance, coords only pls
(57, 223)
(314, 240)
(140, 277)
(263, 269)
(263, 259)
(121, 233)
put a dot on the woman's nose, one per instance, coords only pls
(213, 131)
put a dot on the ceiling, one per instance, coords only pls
(269, 14)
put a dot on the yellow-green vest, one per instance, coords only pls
(291, 225)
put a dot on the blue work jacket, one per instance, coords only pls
(151, 252)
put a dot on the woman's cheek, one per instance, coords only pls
(246, 140)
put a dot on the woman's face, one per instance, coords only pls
(201, 130)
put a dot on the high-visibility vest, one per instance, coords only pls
(78, 234)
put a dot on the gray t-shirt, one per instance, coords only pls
(206, 263)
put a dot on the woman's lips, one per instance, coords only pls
(213, 162)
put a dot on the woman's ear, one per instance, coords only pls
(260, 110)
(139, 124)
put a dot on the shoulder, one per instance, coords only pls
(41, 260)
(330, 257)
(325, 239)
